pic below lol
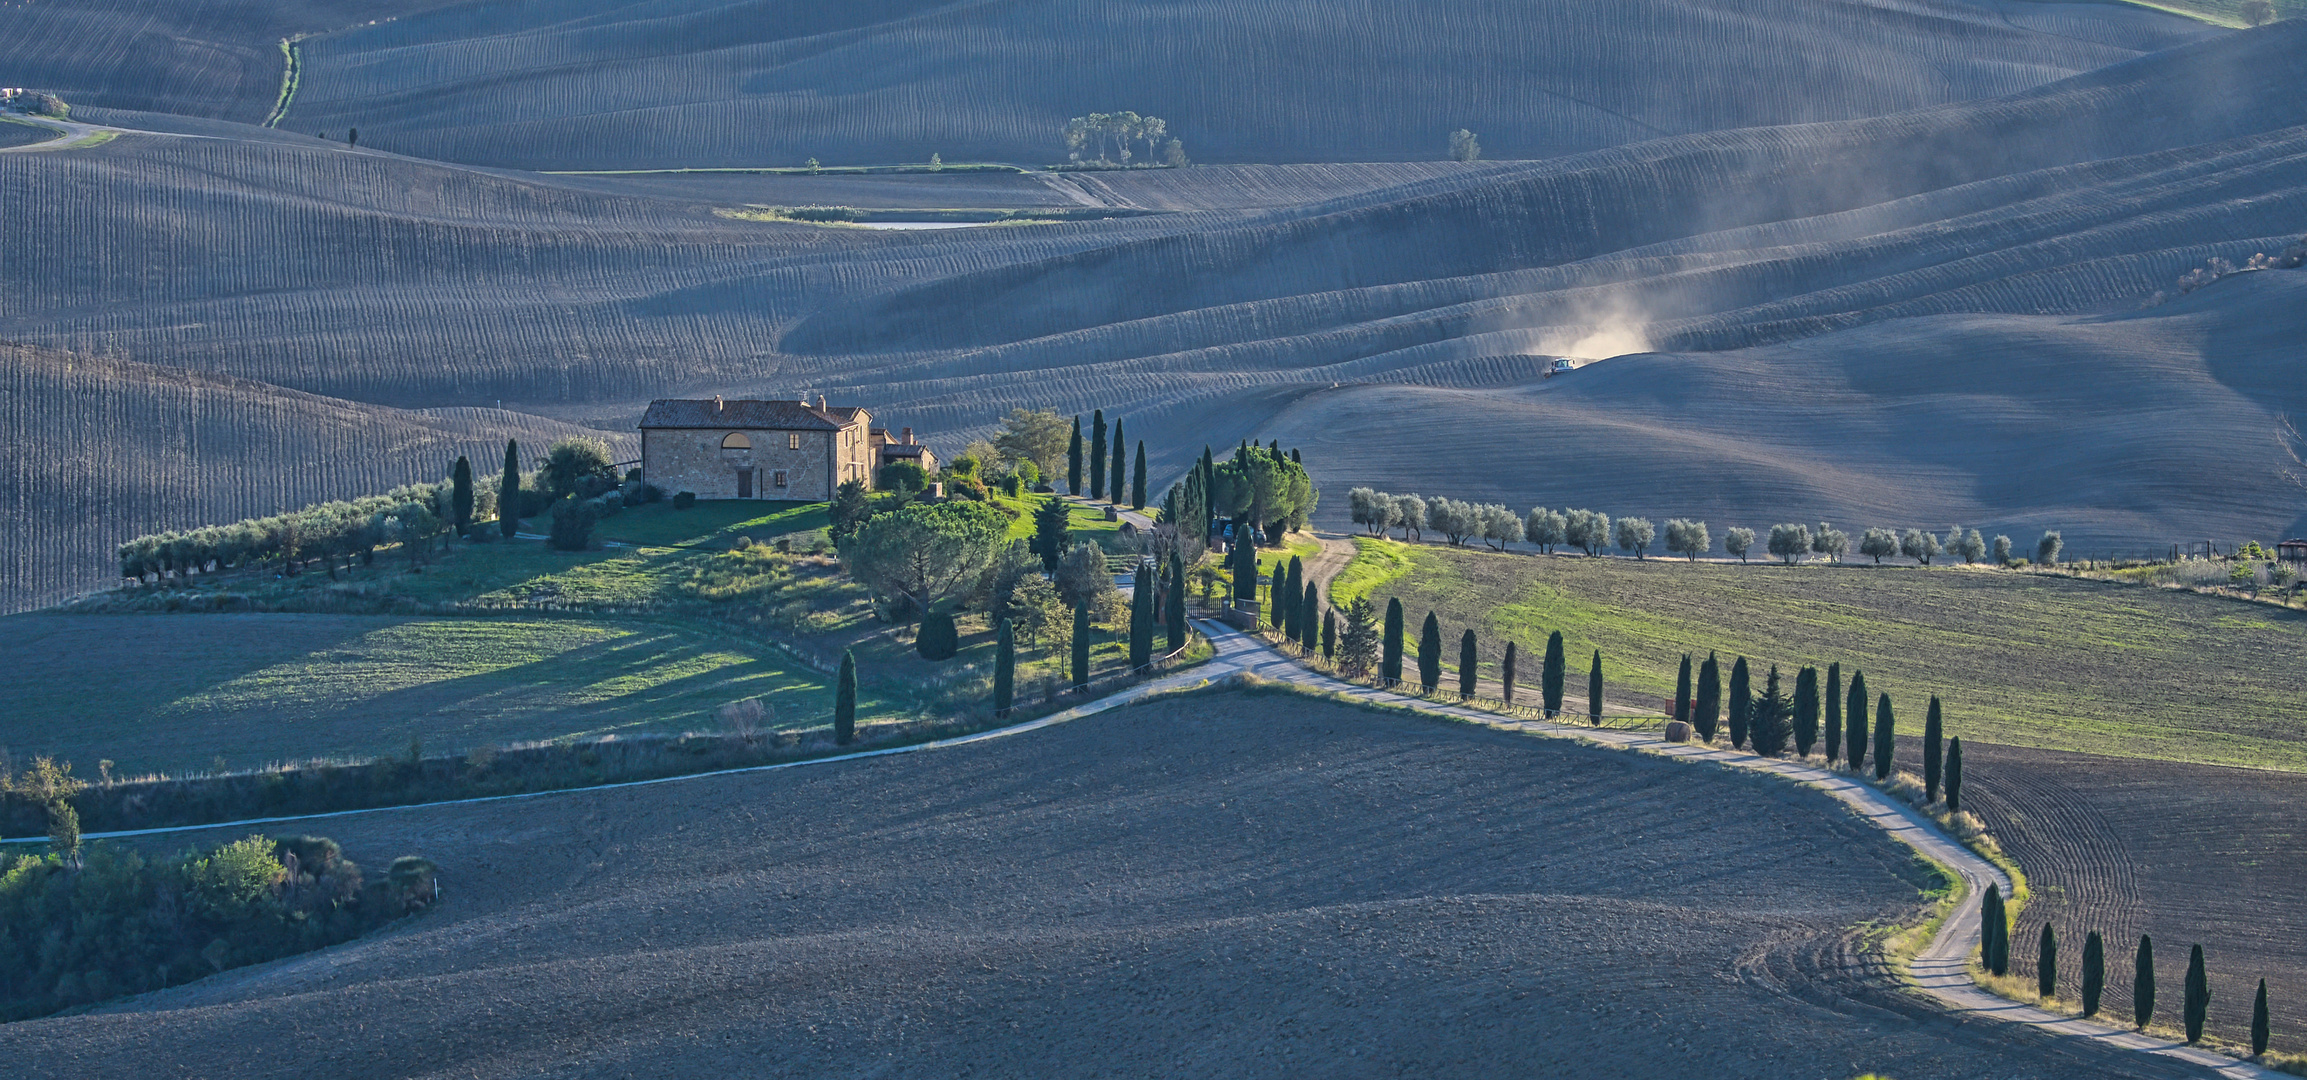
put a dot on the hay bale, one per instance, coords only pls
(1677, 731)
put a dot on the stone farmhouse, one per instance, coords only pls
(747, 449)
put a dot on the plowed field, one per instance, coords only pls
(1218, 885)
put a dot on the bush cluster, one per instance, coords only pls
(92, 923)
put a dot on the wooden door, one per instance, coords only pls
(744, 483)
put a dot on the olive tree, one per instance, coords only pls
(2047, 548)
(1919, 545)
(1789, 542)
(1410, 515)
(2002, 551)
(1878, 543)
(1455, 520)
(1500, 526)
(1634, 534)
(1688, 538)
(1039, 436)
(1544, 528)
(1586, 530)
(1830, 542)
(1738, 541)
(1973, 547)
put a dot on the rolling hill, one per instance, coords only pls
(1841, 317)
(609, 84)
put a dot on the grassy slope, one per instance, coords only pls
(647, 636)
(265, 687)
(2028, 660)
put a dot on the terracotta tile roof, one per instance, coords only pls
(743, 414)
(899, 449)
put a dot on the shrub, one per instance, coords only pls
(684, 500)
(573, 523)
(937, 639)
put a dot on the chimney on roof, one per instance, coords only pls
(821, 402)
(716, 403)
(908, 436)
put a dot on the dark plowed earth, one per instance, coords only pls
(1225, 885)
(2186, 853)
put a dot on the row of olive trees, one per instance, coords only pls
(1594, 532)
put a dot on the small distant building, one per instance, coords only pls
(2292, 551)
(746, 449)
(888, 450)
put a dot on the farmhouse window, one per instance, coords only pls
(793, 440)
(736, 440)
(780, 478)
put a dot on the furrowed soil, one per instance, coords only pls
(1213, 885)
(2189, 854)
(2022, 659)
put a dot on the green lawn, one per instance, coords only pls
(2024, 659)
(715, 522)
(1087, 523)
(180, 691)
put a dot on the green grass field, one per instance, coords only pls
(488, 643)
(182, 691)
(2024, 659)
(1087, 523)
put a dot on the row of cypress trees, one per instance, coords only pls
(1699, 702)
(1105, 469)
(1553, 674)
(2195, 999)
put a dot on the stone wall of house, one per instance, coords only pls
(691, 459)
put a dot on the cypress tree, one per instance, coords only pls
(1141, 619)
(1081, 647)
(461, 496)
(1004, 668)
(1885, 730)
(1955, 775)
(1933, 734)
(1390, 652)
(1430, 654)
(1741, 702)
(1994, 927)
(1706, 714)
(2259, 1022)
(1137, 480)
(2047, 963)
(1766, 723)
(2198, 999)
(1291, 621)
(1553, 675)
(1594, 691)
(1177, 603)
(2094, 973)
(1073, 460)
(1833, 697)
(1506, 673)
(1113, 486)
(1245, 568)
(1309, 618)
(1805, 711)
(845, 701)
(1052, 533)
(1097, 455)
(509, 492)
(1854, 721)
(2143, 984)
(1329, 635)
(1682, 691)
(1278, 594)
(1466, 662)
(1209, 469)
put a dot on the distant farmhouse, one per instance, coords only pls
(745, 449)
